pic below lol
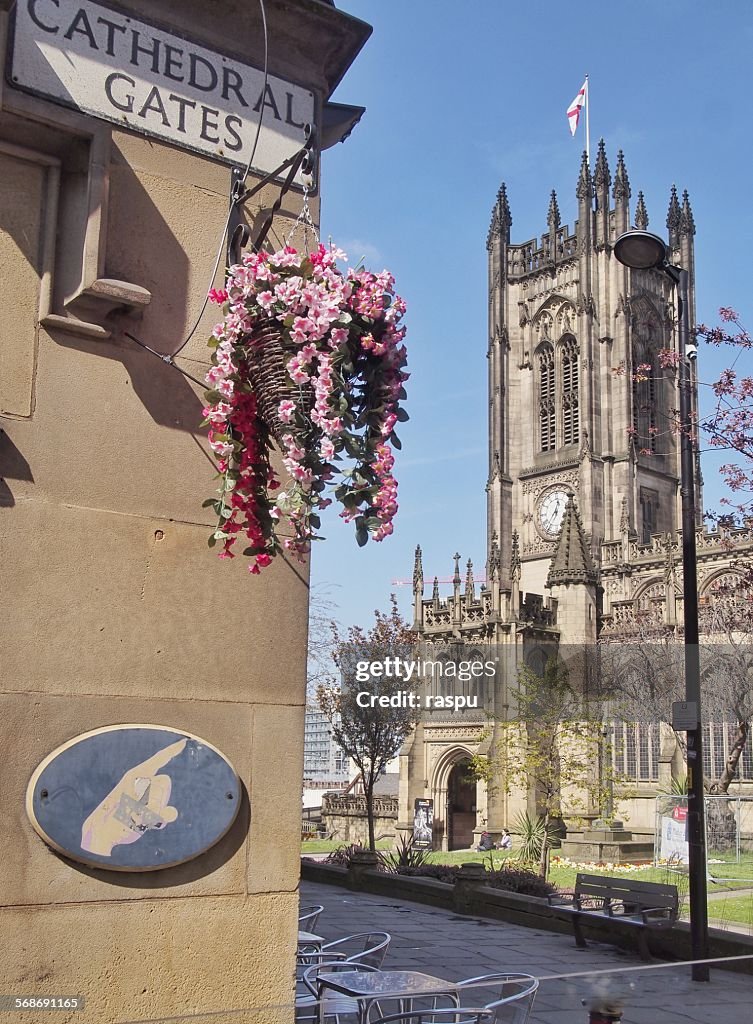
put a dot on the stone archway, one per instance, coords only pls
(455, 800)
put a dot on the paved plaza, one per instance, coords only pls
(443, 943)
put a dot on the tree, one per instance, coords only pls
(370, 663)
(730, 425)
(643, 669)
(553, 744)
(322, 610)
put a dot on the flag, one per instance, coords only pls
(573, 111)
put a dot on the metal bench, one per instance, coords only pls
(624, 901)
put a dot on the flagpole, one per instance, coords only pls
(588, 125)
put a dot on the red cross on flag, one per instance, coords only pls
(573, 111)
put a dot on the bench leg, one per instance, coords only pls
(580, 941)
(643, 944)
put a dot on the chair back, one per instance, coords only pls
(514, 1007)
(311, 974)
(307, 918)
(368, 948)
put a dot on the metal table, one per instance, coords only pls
(367, 988)
(309, 943)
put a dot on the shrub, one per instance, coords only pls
(343, 854)
(510, 879)
(405, 855)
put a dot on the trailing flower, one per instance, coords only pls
(334, 419)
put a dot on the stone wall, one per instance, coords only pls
(344, 818)
(114, 609)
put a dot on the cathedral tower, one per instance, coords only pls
(580, 403)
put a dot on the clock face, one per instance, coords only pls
(552, 511)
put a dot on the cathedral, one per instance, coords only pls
(583, 492)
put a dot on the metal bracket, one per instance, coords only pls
(238, 233)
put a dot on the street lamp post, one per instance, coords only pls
(641, 250)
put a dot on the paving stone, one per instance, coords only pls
(456, 946)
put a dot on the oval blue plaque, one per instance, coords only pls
(133, 797)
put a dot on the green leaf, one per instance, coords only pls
(315, 521)
(212, 397)
(402, 416)
(212, 541)
(362, 536)
(395, 440)
(210, 502)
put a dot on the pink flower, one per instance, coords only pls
(218, 295)
(285, 410)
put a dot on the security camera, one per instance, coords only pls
(691, 350)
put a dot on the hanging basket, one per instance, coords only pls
(312, 358)
(269, 378)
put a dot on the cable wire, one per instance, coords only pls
(246, 173)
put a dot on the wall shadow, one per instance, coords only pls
(13, 466)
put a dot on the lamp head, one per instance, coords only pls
(640, 250)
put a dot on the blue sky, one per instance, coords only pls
(463, 96)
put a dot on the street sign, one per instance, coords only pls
(154, 81)
(133, 797)
(684, 715)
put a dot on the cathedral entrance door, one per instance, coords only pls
(461, 807)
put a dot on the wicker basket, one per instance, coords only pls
(269, 378)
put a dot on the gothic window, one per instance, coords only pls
(635, 751)
(644, 401)
(718, 740)
(547, 399)
(569, 389)
(649, 506)
(647, 340)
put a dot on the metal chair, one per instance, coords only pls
(332, 1006)
(513, 1006)
(368, 948)
(307, 918)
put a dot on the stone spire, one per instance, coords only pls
(435, 592)
(493, 572)
(641, 215)
(673, 219)
(621, 196)
(584, 188)
(418, 590)
(571, 562)
(515, 557)
(687, 224)
(553, 216)
(621, 190)
(602, 177)
(418, 571)
(501, 218)
(494, 562)
(515, 577)
(456, 581)
(470, 588)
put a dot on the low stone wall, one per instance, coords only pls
(344, 818)
(468, 896)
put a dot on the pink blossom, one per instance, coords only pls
(285, 410)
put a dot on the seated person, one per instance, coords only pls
(486, 842)
(505, 842)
